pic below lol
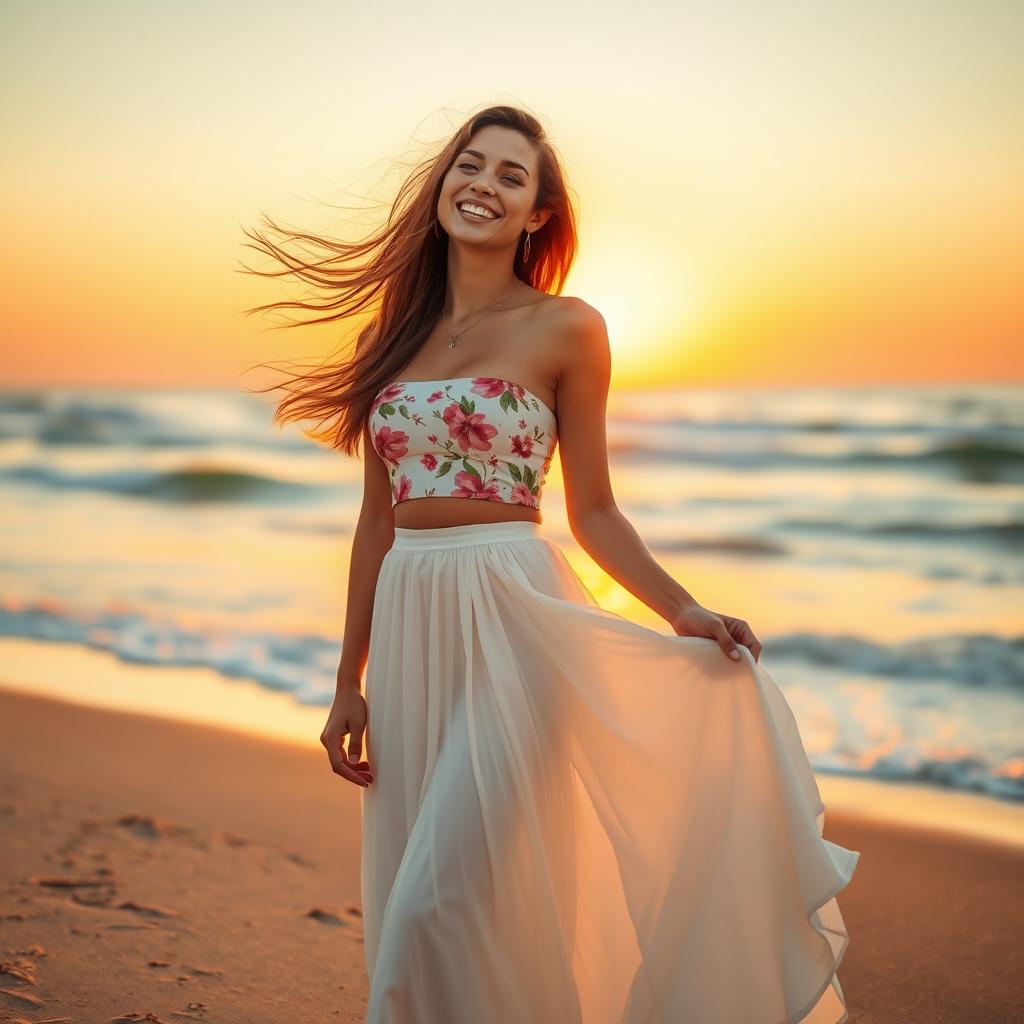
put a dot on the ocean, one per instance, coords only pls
(871, 536)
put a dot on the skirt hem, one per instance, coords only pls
(837, 957)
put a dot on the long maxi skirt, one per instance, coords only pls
(577, 819)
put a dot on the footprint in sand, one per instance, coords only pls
(328, 915)
(102, 880)
(21, 969)
(149, 826)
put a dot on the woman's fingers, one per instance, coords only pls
(358, 773)
(724, 637)
(347, 718)
(353, 770)
(355, 742)
(743, 634)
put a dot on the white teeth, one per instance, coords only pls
(479, 210)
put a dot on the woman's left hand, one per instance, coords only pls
(728, 631)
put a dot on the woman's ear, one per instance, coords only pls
(540, 218)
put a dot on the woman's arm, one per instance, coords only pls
(596, 522)
(374, 535)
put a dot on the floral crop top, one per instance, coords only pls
(464, 437)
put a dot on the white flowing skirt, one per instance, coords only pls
(574, 818)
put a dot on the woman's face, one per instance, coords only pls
(497, 170)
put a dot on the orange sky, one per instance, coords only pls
(800, 195)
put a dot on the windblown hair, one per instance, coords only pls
(399, 275)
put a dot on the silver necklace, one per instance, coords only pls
(497, 305)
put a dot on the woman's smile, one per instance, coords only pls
(474, 218)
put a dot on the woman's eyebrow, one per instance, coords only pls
(511, 163)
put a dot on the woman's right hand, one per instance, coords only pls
(347, 717)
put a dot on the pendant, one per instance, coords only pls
(451, 344)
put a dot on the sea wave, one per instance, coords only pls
(146, 421)
(969, 659)
(1011, 532)
(305, 665)
(183, 484)
(977, 439)
(978, 460)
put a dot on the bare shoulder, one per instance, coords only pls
(569, 312)
(579, 335)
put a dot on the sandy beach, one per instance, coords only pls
(167, 870)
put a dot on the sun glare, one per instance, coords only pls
(649, 304)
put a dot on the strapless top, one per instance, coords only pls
(464, 437)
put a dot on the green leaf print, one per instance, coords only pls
(471, 469)
(444, 469)
(387, 409)
(514, 471)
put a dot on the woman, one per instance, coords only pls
(567, 817)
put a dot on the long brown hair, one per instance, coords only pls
(402, 282)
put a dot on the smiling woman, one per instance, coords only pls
(400, 271)
(566, 816)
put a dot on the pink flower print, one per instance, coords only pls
(493, 460)
(522, 424)
(469, 429)
(471, 486)
(402, 489)
(432, 438)
(429, 461)
(391, 392)
(435, 396)
(495, 387)
(522, 446)
(522, 495)
(391, 444)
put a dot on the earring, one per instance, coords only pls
(526, 248)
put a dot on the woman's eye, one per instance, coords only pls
(505, 177)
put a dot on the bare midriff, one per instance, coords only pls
(427, 513)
